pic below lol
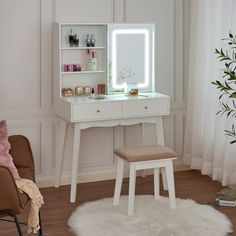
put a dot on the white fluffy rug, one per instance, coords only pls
(151, 218)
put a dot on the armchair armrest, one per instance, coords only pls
(10, 196)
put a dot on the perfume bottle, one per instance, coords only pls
(71, 38)
(92, 40)
(92, 61)
(76, 40)
(88, 41)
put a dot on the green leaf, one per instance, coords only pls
(228, 114)
(227, 85)
(233, 95)
(234, 103)
(224, 59)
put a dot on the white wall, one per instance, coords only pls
(26, 77)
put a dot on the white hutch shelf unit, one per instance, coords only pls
(111, 109)
(64, 54)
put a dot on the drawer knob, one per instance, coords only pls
(146, 107)
(98, 111)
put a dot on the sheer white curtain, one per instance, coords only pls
(206, 147)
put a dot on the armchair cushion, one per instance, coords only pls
(11, 198)
(5, 157)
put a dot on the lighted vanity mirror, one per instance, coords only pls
(130, 57)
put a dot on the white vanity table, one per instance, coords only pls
(114, 108)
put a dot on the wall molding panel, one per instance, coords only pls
(26, 88)
(119, 11)
(20, 44)
(88, 11)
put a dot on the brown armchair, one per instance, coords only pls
(12, 201)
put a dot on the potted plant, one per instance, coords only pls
(227, 85)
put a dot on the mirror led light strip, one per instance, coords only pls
(114, 56)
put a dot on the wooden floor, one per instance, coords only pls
(57, 209)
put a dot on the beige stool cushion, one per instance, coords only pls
(145, 153)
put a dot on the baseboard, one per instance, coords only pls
(48, 181)
(178, 166)
(82, 178)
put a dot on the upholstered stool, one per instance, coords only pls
(140, 158)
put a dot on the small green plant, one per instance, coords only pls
(227, 85)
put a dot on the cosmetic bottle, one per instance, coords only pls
(92, 95)
(79, 90)
(87, 90)
(101, 89)
(92, 40)
(87, 41)
(92, 61)
(71, 38)
(76, 67)
(67, 92)
(76, 40)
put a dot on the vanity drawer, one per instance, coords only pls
(96, 111)
(148, 107)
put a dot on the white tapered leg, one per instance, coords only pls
(132, 180)
(60, 152)
(119, 180)
(159, 131)
(164, 178)
(171, 184)
(160, 141)
(143, 172)
(75, 162)
(156, 183)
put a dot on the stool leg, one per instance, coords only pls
(119, 180)
(156, 183)
(164, 178)
(171, 184)
(132, 180)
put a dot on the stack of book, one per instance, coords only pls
(226, 197)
